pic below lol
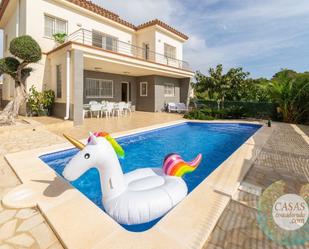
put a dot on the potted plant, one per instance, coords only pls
(60, 37)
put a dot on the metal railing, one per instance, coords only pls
(112, 44)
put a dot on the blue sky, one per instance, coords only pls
(261, 36)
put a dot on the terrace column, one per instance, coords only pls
(78, 86)
(185, 89)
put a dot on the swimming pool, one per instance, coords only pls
(216, 142)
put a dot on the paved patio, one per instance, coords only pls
(111, 125)
(284, 156)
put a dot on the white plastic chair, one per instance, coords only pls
(119, 108)
(127, 108)
(86, 110)
(93, 102)
(108, 109)
(95, 108)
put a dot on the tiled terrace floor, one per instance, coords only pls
(285, 155)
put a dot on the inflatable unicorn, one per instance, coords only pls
(139, 196)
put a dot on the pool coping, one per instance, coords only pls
(42, 188)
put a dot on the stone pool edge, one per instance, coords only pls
(54, 197)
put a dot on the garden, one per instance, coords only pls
(234, 95)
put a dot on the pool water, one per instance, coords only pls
(216, 142)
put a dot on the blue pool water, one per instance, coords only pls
(215, 141)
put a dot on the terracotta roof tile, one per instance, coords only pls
(87, 4)
(110, 15)
(3, 6)
(101, 11)
(163, 25)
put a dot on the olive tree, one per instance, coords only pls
(25, 51)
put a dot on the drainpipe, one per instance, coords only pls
(68, 71)
(17, 17)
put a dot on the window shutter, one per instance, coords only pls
(49, 26)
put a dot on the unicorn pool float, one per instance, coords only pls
(139, 196)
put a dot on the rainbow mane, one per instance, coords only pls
(174, 165)
(118, 149)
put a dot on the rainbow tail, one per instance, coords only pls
(174, 165)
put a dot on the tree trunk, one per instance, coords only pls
(11, 110)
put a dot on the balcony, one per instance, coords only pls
(113, 45)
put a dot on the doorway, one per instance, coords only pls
(125, 92)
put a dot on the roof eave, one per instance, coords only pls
(3, 7)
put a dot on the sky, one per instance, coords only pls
(262, 36)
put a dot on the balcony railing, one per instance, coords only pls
(109, 43)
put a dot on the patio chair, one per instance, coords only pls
(93, 102)
(127, 108)
(86, 110)
(119, 108)
(181, 107)
(95, 108)
(108, 109)
(171, 107)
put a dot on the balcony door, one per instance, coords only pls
(104, 41)
(146, 51)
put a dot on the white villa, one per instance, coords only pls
(103, 57)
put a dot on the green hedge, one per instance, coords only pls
(263, 110)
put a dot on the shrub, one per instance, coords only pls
(199, 114)
(40, 103)
(238, 109)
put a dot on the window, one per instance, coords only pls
(104, 41)
(169, 51)
(169, 90)
(143, 89)
(54, 25)
(59, 81)
(99, 88)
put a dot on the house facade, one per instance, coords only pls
(103, 57)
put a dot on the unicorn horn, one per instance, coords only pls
(75, 142)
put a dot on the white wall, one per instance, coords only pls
(32, 23)
(9, 33)
(58, 59)
(35, 22)
(146, 35)
(160, 39)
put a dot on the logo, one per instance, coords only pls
(290, 212)
(283, 213)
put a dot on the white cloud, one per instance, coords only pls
(267, 10)
(235, 33)
(138, 12)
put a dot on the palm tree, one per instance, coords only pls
(291, 93)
